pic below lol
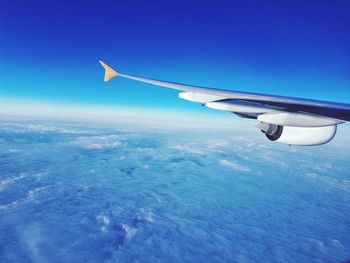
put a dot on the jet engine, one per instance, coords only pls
(298, 135)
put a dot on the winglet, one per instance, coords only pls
(109, 72)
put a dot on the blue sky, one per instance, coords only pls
(49, 50)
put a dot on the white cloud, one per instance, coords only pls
(98, 142)
(34, 238)
(188, 149)
(129, 231)
(105, 221)
(145, 216)
(234, 166)
(7, 181)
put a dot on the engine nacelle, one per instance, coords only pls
(299, 135)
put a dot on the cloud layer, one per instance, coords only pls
(97, 192)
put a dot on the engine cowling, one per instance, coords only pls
(299, 135)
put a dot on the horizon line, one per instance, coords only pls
(150, 116)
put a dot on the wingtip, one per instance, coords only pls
(109, 71)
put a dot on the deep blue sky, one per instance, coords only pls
(49, 50)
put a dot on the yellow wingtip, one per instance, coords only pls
(109, 71)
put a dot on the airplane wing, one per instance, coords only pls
(285, 119)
